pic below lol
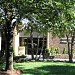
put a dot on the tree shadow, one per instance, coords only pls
(2, 66)
(49, 70)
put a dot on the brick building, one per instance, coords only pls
(22, 44)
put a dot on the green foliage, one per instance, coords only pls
(47, 50)
(52, 15)
(57, 50)
(52, 51)
(64, 51)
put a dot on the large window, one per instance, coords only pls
(27, 43)
(64, 40)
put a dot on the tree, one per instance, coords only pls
(30, 27)
(44, 13)
(70, 26)
(66, 24)
(11, 12)
(7, 16)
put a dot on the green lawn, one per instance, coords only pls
(46, 68)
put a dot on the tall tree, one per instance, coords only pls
(7, 23)
(12, 11)
(65, 25)
(69, 17)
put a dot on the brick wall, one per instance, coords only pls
(55, 42)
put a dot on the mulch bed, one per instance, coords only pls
(63, 57)
(9, 72)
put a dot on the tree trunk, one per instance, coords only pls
(32, 47)
(68, 43)
(72, 44)
(8, 28)
(43, 47)
(9, 49)
(42, 50)
(70, 49)
(37, 46)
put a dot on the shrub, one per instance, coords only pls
(47, 50)
(57, 51)
(20, 58)
(64, 51)
(52, 51)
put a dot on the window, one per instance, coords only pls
(64, 40)
(21, 41)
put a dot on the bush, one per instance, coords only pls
(52, 51)
(47, 50)
(64, 51)
(57, 51)
(46, 53)
(20, 58)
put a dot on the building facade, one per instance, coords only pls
(22, 43)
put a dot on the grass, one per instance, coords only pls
(46, 68)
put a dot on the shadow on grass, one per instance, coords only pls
(49, 70)
(2, 66)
